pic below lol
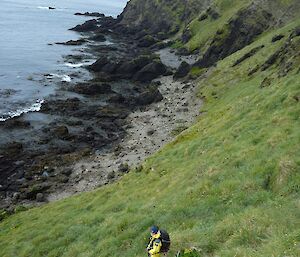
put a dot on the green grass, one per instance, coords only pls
(203, 31)
(228, 186)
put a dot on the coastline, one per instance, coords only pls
(92, 132)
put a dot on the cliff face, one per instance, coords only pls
(161, 15)
(210, 26)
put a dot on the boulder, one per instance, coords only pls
(110, 67)
(128, 68)
(11, 149)
(92, 88)
(182, 71)
(15, 123)
(213, 13)
(67, 105)
(186, 36)
(62, 132)
(277, 38)
(151, 95)
(72, 42)
(203, 17)
(150, 72)
(183, 51)
(33, 191)
(90, 14)
(296, 32)
(123, 168)
(99, 64)
(89, 25)
(147, 41)
(98, 38)
(40, 197)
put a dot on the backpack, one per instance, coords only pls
(165, 240)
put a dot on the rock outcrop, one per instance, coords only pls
(241, 30)
(161, 16)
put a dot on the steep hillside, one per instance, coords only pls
(215, 28)
(227, 186)
(161, 15)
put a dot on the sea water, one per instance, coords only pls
(28, 33)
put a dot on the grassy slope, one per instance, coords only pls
(203, 31)
(228, 186)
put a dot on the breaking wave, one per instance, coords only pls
(33, 108)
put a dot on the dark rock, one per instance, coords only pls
(162, 35)
(297, 97)
(89, 25)
(141, 34)
(160, 45)
(110, 67)
(254, 70)
(67, 105)
(62, 132)
(271, 60)
(285, 58)
(266, 82)
(296, 32)
(183, 51)
(98, 38)
(72, 42)
(63, 179)
(147, 41)
(150, 132)
(40, 197)
(183, 70)
(150, 72)
(117, 98)
(123, 168)
(142, 60)
(151, 95)
(51, 8)
(99, 64)
(101, 30)
(128, 68)
(108, 22)
(90, 14)
(248, 55)
(203, 17)
(67, 172)
(169, 72)
(111, 175)
(11, 149)
(15, 123)
(111, 112)
(277, 38)
(213, 13)
(240, 32)
(31, 192)
(186, 36)
(92, 88)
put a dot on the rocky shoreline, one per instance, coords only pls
(94, 131)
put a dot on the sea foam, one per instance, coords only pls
(33, 108)
(63, 78)
(78, 65)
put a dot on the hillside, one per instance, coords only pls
(227, 186)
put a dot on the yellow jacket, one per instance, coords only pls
(154, 245)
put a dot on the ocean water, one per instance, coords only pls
(28, 30)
